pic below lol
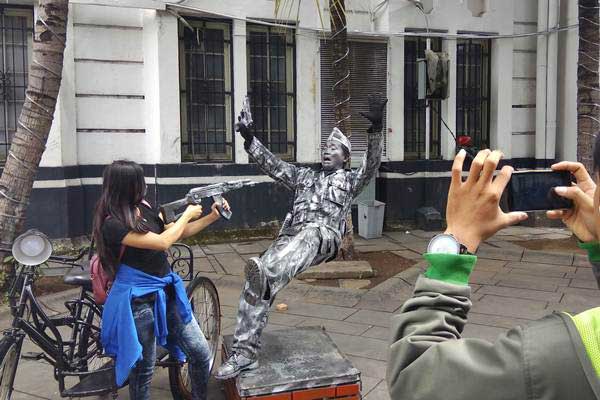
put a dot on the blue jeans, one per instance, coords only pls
(188, 337)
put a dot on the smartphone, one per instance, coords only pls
(534, 190)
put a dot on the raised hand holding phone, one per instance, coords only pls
(581, 218)
(473, 211)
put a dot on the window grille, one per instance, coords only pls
(205, 80)
(472, 90)
(414, 109)
(271, 87)
(16, 38)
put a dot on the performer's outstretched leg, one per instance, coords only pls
(287, 257)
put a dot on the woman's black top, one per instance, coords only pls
(152, 262)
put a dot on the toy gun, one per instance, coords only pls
(195, 196)
(246, 114)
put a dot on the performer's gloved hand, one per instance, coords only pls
(244, 128)
(376, 106)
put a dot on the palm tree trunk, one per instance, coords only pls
(341, 94)
(341, 65)
(588, 89)
(36, 116)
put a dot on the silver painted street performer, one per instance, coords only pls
(312, 232)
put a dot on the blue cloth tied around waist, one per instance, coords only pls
(118, 333)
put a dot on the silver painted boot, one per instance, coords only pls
(257, 281)
(235, 364)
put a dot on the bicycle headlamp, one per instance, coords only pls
(32, 248)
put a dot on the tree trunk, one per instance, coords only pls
(341, 65)
(341, 94)
(36, 116)
(588, 90)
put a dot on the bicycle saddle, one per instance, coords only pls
(79, 275)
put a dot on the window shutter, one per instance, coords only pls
(368, 75)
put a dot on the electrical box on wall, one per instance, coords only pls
(433, 75)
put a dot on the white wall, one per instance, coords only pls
(454, 16)
(108, 59)
(120, 93)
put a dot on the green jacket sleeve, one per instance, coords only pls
(593, 250)
(429, 360)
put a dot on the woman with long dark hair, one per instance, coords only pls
(147, 302)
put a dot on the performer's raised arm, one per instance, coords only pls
(272, 165)
(372, 159)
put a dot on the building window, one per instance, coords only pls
(271, 87)
(414, 109)
(16, 39)
(368, 75)
(205, 80)
(473, 91)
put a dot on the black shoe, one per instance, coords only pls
(257, 282)
(234, 365)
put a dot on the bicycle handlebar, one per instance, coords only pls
(63, 259)
(59, 259)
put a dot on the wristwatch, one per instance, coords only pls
(446, 243)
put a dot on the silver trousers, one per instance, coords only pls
(287, 257)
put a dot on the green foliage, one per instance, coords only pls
(6, 273)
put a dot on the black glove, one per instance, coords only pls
(375, 115)
(243, 129)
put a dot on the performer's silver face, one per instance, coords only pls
(333, 157)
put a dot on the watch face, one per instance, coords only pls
(443, 243)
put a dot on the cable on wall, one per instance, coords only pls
(447, 36)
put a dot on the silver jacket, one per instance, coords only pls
(320, 198)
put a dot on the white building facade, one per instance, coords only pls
(160, 84)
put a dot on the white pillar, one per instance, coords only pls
(161, 87)
(552, 86)
(447, 143)
(567, 86)
(308, 133)
(501, 96)
(546, 86)
(395, 106)
(240, 83)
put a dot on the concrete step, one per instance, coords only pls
(339, 270)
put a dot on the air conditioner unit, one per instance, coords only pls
(433, 76)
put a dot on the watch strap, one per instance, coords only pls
(463, 248)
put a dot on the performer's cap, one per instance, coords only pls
(338, 136)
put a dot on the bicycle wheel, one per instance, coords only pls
(10, 349)
(89, 348)
(207, 310)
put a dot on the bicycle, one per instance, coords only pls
(80, 367)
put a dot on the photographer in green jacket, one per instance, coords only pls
(557, 357)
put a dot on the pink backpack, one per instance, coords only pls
(101, 282)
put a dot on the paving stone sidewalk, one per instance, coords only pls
(511, 285)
